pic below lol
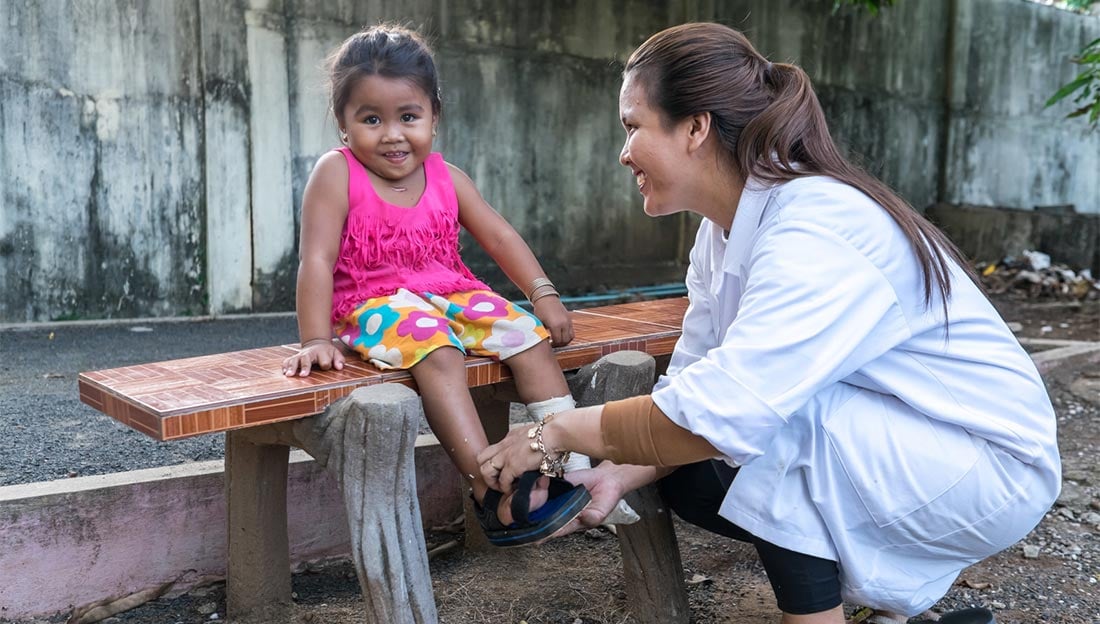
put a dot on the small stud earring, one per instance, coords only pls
(343, 137)
(434, 132)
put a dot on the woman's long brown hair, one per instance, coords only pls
(769, 121)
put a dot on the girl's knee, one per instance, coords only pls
(539, 353)
(438, 361)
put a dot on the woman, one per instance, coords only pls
(888, 428)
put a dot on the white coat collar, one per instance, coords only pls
(746, 221)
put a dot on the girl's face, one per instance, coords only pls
(656, 155)
(389, 123)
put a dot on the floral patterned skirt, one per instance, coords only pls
(399, 330)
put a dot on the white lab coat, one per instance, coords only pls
(866, 435)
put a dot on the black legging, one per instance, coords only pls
(802, 583)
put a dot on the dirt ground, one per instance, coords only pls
(1053, 576)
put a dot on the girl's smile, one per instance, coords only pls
(389, 124)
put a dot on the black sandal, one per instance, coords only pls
(565, 502)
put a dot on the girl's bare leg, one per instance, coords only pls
(538, 376)
(441, 379)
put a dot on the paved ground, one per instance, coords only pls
(38, 373)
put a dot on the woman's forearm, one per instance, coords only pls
(575, 430)
(630, 431)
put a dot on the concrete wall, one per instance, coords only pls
(153, 154)
(1003, 148)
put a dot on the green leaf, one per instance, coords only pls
(1068, 88)
(872, 6)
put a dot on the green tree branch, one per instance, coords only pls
(873, 6)
(1086, 85)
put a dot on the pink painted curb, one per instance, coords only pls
(70, 542)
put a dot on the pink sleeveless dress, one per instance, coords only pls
(385, 247)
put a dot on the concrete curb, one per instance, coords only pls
(70, 542)
(1062, 354)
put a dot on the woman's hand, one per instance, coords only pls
(606, 488)
(503, 462)
(556, 319)
(320, 351)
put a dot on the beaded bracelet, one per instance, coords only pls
(549, 466)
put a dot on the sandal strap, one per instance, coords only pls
(521, 498)
(487, 510)
(559, 486)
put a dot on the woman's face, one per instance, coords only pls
(656, 155)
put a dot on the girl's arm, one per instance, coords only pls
(505, 246)
(324, 210)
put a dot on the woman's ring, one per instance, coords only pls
(493, 466)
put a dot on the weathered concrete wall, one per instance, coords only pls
(989, 233)
(100, 160)
(1004, 149)
(153, 154)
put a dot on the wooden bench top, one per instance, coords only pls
(188, 397)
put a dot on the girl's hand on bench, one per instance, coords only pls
(321, 352)
(556, 319)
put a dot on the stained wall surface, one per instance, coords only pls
(153, 154)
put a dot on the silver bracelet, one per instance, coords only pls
(538, 283)
(547, 293)
(549, 466)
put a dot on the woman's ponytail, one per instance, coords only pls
(788, 128)
(769, 120)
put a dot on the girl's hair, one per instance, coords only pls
(770, 123)
(385, 50)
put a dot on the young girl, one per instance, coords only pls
(380, 267)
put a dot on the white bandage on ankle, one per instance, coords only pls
(553, 405)
(622, 514)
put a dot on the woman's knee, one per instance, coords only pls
(695, 493)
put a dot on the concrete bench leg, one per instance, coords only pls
(367, 442)
(258, 570)
(652, 567)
